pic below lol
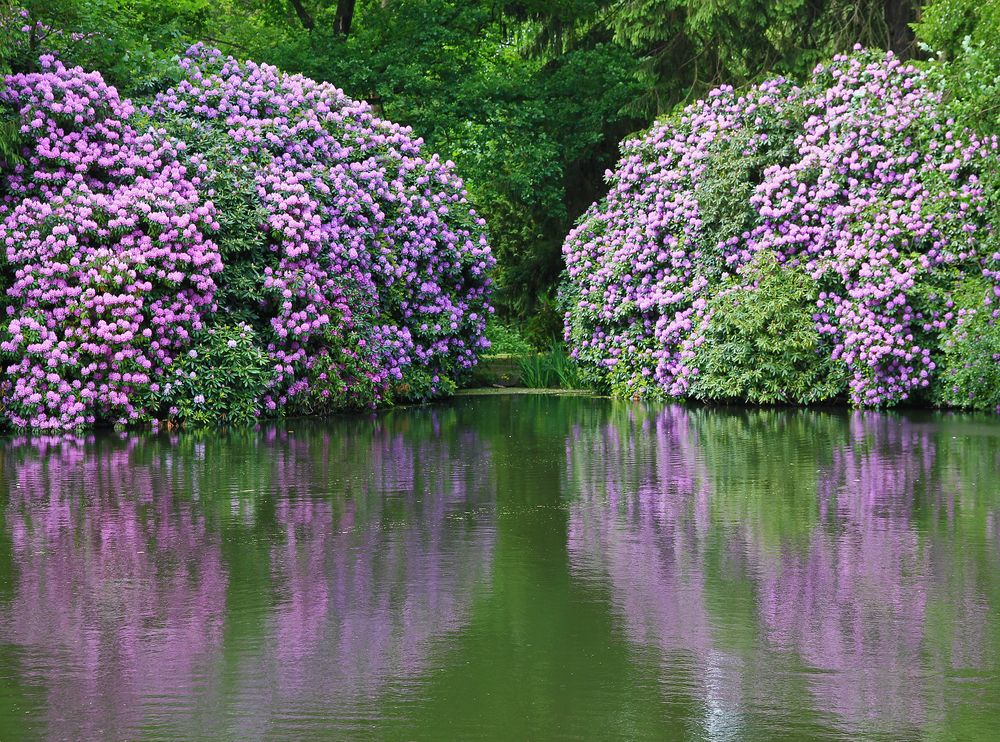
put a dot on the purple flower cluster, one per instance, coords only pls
(377, 263)
(867, 186)
(105, 260)
(374, 272)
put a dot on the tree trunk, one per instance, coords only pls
(344, 17)
(303, 14)
(899, 14)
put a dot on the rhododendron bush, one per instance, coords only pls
(240, 198)
(107, 261)
(368, 265)
(856, 181)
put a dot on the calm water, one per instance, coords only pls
(509, 568)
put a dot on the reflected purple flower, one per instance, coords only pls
(120, 590)
(127, 603)
(615, 528)
(868, 596)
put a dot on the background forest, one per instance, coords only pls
(530, 98)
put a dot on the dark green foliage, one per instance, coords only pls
(419, 385)
(242, 242)
(684, 49)
(221, 381)
(970, 373)
(532, 136)
(760, 342)
(10, 140)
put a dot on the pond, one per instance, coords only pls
(507, 567)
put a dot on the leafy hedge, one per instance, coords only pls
(244, 204)
(792, 244)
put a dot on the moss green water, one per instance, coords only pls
(507, 567)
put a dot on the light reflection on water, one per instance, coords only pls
(508, 567)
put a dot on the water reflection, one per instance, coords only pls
(120, 589)
(866, 547)
(173, 578)
(363, 594)
(507, 568)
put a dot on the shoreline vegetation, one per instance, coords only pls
(245, 243)
(222, 241)
(797, 244)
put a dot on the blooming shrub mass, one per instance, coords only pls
(857, 180)
(108, 265)
(242, 197)
(373, 266)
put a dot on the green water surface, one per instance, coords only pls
(507, 567)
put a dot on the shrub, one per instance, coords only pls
(222, 379)
(367, 259)
(970, 376)
(421, 385)
(758, 341)
(341, 253)
(859, 180)
(107, 266)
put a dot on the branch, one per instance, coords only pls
(303, 14)
(234, 45)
